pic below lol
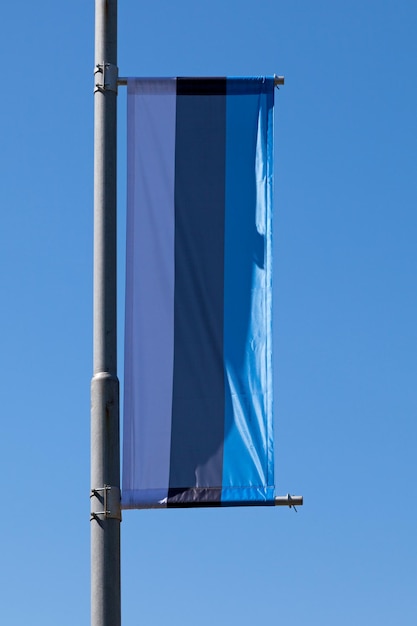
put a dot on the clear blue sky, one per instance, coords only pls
(345, 318)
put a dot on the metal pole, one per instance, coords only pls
(105, 454)
(289, 500)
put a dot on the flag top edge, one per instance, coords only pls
(204, 85)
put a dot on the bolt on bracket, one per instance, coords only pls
(106, 77)
(105, 502)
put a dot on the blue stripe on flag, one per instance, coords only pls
(247, 325)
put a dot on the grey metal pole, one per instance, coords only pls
(105, 453)
(289, 500)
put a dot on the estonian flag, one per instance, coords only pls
(198, 378)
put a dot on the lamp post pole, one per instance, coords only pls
(105, 448)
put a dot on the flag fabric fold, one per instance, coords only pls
(198, 362)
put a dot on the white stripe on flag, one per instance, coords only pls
(149, 288)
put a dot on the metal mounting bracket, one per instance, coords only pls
(106, 77)
(105, 503)
(291, 501)
(279, 80)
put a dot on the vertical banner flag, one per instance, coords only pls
(198, 377)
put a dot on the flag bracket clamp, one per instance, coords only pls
(106, 77)
(107, 502)
(288, 500)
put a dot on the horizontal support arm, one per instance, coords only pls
(288, 500)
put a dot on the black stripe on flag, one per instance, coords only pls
(198, 380)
